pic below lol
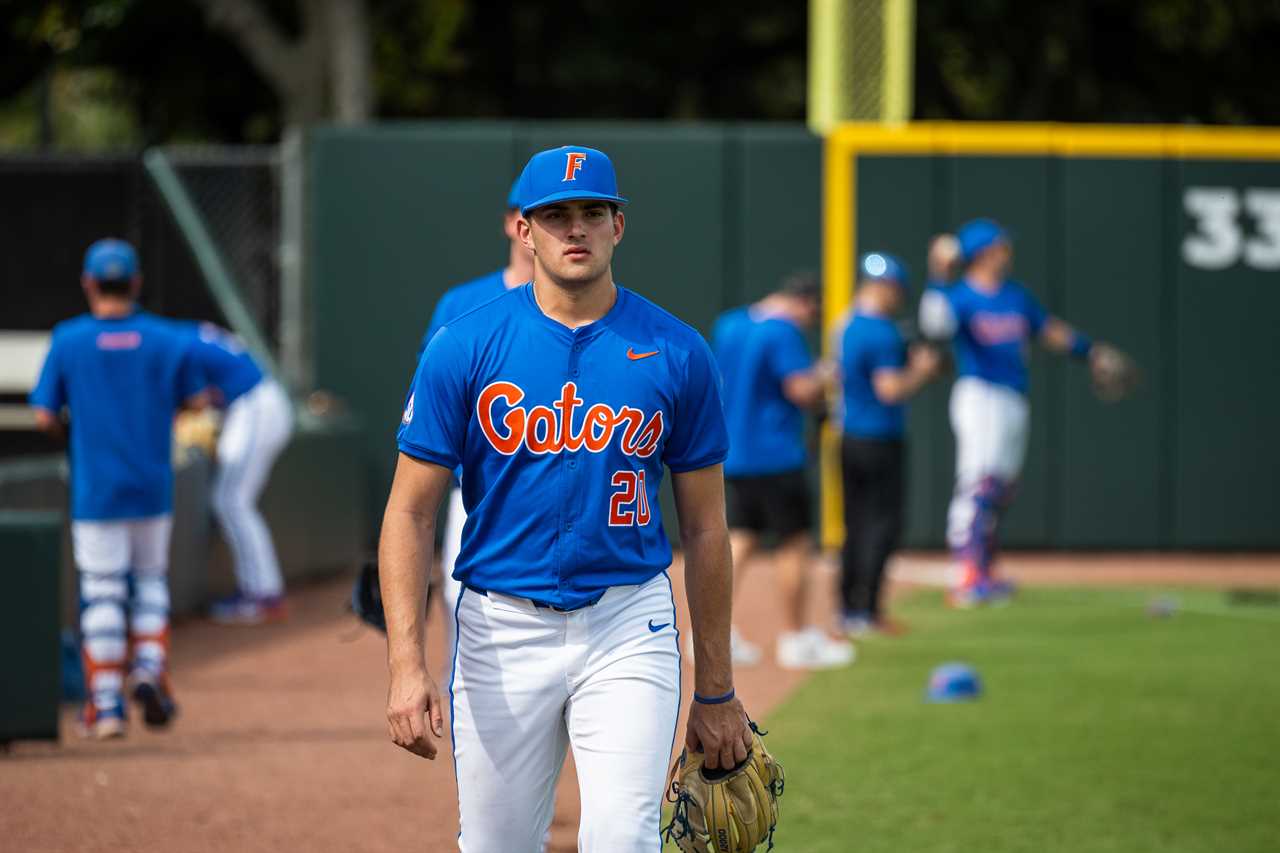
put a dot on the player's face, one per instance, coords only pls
(807, 312)
(1002, 257)
(573, 240)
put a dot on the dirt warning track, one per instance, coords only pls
(282, 743)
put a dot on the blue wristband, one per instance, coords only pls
(713, 700)
(1080, 345)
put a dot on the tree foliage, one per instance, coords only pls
(1071, 60)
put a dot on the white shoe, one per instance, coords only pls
(813, 649)
(741, 652)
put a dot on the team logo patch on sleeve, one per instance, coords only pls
(407, 417)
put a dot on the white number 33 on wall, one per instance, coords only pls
(1219, 241)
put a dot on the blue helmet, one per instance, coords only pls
(564, 174)
(978, 234)
(881, 266)
(953, 682)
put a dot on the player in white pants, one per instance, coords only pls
(991, 321)
(255, 429)
(564, 401)
(121, 373)
(455, 302)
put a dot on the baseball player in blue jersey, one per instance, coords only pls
(878, 375)
(770, 380)
(255, 428)
(121, 373)
(563, 400)
(455, 302)
(991, 321)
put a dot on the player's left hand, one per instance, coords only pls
(722, 732)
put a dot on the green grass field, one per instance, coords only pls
(1102, 729)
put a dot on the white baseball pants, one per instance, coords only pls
(109, 554)
(455, 518)
(528, 682)
(256, 428)
(991, 424)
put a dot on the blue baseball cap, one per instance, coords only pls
(881, 266)
(953, 682)
(978, 234)
(111, 260)
(566, 173)
(513, 195)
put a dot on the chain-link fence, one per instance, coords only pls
(236, 191)
(57, 204)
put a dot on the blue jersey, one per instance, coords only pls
(756, 354)
(225, 361)
(122, 380)
(460, 299)
(991, 331)
(870, 343)
(562, 436)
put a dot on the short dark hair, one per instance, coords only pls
(114, 286)
(803, 284)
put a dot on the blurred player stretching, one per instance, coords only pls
(991, 321)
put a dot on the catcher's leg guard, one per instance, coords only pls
(102, 557)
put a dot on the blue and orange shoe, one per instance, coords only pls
(103, 723)
(971, 592)
(241, 609)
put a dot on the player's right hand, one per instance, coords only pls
(924, 359)
(944, 257)
(412, 700)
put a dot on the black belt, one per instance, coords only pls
(545, 605)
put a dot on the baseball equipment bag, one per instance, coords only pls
(1115, 375)
(725, 811)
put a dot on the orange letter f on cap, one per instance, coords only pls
(573, 164)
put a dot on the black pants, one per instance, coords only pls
(872, 472)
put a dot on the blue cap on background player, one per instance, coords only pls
(978, 234)
(111, 260)
(513, 195)
(880, 266)
(566, 173)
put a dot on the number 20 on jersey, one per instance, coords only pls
(629, 503)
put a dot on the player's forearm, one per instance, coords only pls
(804, 390)
(1060, 337)
(404, 561)
(47, 422)
(709, 586)
(896, 386)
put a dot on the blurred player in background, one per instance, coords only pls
(991, 321)
(878, 376)
(770, 381)
(255, 428)
(455, 302)
(122, 373)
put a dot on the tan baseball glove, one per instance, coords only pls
(725, 811)
(1115, 375)
(196, 431)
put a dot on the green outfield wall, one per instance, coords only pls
(1168, 247)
